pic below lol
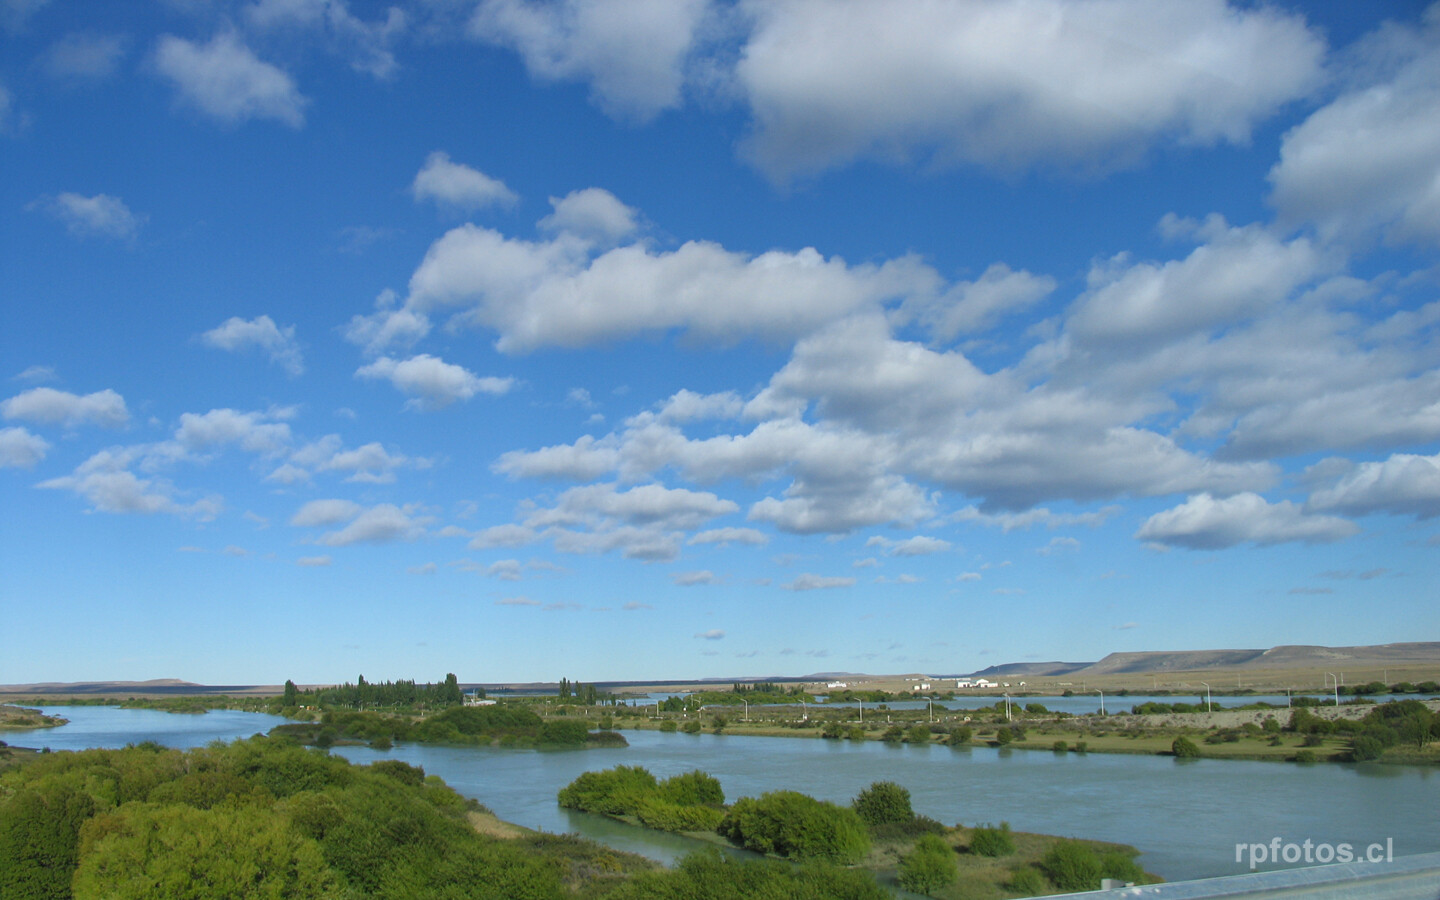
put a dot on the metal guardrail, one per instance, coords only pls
(1406, 878)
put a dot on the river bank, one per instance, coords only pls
(1238, 734)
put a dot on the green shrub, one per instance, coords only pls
(400, 771)
(1081, 746)
(615, 792)
(1184, 748)
(669, 726)
(691, 727)
(917, 734)
(693, 789)
(1060, 747)
(882, 803)
(1305, 756)
(988, 840)
(708, 875)
(1365, 748)
(902, 831)
(1027, 881)
(893, 734)
(856, 733)
(929, 867)
(791, 824)
(654, 812)
(1117, 865)
(960, 736)
(564, 732)
(1072, 866)
(1004, 736)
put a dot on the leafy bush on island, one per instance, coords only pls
(688, 802)
(788, 823)
(928, 867)
(1184, 748)
(508, 724)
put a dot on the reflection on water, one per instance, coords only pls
(1187, 815)
(110, 726)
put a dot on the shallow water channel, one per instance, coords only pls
(1185, 815)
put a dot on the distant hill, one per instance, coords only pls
(155, 686)
(1282, 657)
(1034, 670)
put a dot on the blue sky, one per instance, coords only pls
(690, 338)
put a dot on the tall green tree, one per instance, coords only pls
(292, 694)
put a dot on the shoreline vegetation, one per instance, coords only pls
(22, 718)
(878, 833)
(1395, 730)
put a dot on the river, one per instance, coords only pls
(1185, 815)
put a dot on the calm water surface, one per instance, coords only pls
(1186, 816)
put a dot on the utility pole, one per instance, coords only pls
(1207, 697)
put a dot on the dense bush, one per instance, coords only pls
(791, 824)
(988, 840)
(882, 803)
(1305, 756)
(693, 789)
(688, 802)
(893, 735)
(1072, 866)
(258, 818)
(669, 726)
(929, 866)
(1184, 748)
(655, 812)
(1027, 881)
(711, 876)
(1117, 865)
(907, 830)
(615, 792)
(691, 727)
(917, 734)
(1365, 748)
(960, 736)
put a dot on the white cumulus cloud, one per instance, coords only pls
(1073, 84)
(226, 81)
(99, 216)
(632, 54)
(432, 382)
(458, 185)
(51, 407)
(1205, 522)
(20, 449)
(236, 334)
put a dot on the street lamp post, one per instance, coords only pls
(1207, 697)
(747, 709)
(1102, 700)
(1007, 706)
(1337, 689)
